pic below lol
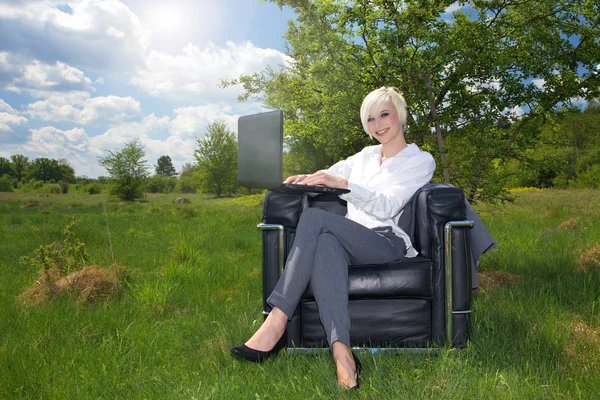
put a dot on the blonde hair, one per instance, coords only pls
(377, 100)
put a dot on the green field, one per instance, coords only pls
(192, 290)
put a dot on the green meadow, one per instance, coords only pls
(192, 289)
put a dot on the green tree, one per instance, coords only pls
(44, 169)
(189, 181)
(164, 167)
(20, 163)
(128, 169)
(7, 168)
(479, 76)
(67, 172)
(217, 159)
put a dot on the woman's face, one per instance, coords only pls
(384, 125)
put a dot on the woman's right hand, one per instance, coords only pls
(296, 178)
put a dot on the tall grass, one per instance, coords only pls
(194, 290)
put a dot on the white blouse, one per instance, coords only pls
(379, 192)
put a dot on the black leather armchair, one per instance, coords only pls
(399, 304)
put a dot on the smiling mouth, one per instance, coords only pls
(382, 131)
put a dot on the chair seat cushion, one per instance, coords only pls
(410, 277)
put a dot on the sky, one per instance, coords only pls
(79, 78)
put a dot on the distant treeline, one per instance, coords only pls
(564, 153)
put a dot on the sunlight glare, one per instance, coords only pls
(167, 18)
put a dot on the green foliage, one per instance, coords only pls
(188, 184)
(467, 75)
(53, 188)
(94, 188)
(128, 168)
(164, 167)
(7, 168)
(64, 187)
(217, 159)
(161, 184)
(20, 163)
(6, 184)
(65, 257)
(50, 170)
(188, 181)
(589, 178)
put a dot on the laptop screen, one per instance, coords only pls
(260, 150)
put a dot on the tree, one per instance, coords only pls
(20, 163)
(217, 159)
(129, 170)
(474, 80)
(46, 170)
(164, 167)
(7, 168)
(189, 181)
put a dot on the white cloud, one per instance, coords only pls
(149, 131)
(453, 7)
(6, 107)
(164, 136)
(74, 145)
(102, 35)
(18, 74)
(14, 128)
(195, 73)
(193, 121)
(539, 83)
(80, 108)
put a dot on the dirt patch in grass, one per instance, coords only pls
(88, 285)
(581, 352)
(589, 260)
(30, 205)
(493, 280)
(568, 225)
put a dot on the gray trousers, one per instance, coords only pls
(325, 244)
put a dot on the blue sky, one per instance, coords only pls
(78, 78)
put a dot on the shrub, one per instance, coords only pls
(94, 188)
(128, 168)
(64, 187)
(590, 178)
(55, 189)
(160, 184)
(5, 184)
(187, 184)
(63, 271)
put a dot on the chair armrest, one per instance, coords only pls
(435, 205)
(283, 208)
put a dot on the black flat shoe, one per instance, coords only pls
(252, 355)
(358, 370)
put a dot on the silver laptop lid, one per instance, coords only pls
(260, 150)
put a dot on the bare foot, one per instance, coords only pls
(344, 363)
(267, 336)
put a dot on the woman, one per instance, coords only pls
(382, 179)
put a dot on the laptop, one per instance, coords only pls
(260, 155)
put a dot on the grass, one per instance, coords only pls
(193, 290)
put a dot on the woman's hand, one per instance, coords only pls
(319, 178)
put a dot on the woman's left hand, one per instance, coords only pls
(325, 179)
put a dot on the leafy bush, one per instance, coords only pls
(64, 187)
(5, 184)
(187, 184)
(160, 184)
(54, 189)
(128, 168)
(590, 178)
(93, 188)
(65, 257)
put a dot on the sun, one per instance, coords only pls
(166, 18)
